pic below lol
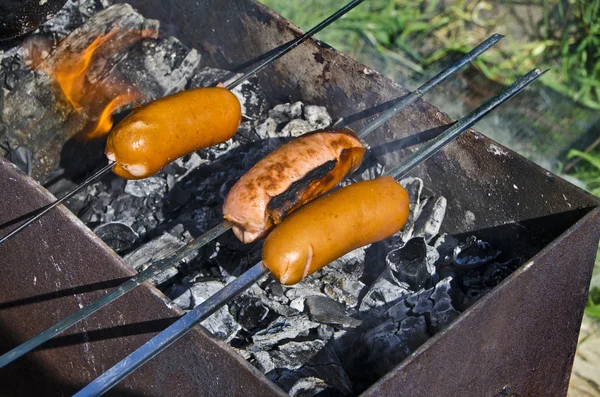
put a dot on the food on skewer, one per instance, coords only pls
(154, 135)
(289, 177)
(334, 225)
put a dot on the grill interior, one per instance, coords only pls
(492, 192)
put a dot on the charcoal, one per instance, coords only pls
(298, 295)
(117, 236)
(283, 329)
(413, 264)
(263, 361)
(155, 250)
(445, 245)
(414, 187)
(286, 112)
(153, 185)
(252, 99)
(64, 21)
(160, 67)
(300, 292)
(383, 294)
(248, 311)
(441, 315)
(297, 127)
(423, 304)
(341, 281)
(399, 311)
(208, 77)
(317, 117)
(325, 310)
(267, 129)
(473, 253)
(430, 219)
(442, 290)
(325, 365)
(293, 355)
(221, 323)
(37, 115)
(21, 157)
(308, 387)
(391, 342)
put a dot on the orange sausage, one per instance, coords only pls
(334, 225)
(155, 134)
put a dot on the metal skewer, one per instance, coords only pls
(171, 334)
(223, 227)
(231, 85)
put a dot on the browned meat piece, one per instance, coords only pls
(289, 177)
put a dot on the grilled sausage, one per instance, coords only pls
(334, 225)
(288, 177)
(154, 135)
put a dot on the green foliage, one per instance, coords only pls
(565, 37)
(588, 171)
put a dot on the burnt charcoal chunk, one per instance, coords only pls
(286, 112)
(441, 315)
(317, 117)
(473, 253)
(117, 236)
(385, 292)
(327, 311)
(160, 67)
(413, 264)
(154, 250)
(430, 220)
(324, 365)
(221, 323)
(391, 342)
(248, 312)
(21, 157)
(283, 329)
(208, 77)
(146, 187)
(252, 99)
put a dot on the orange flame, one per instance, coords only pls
(105, 121)
(94, 102)
(70, 74)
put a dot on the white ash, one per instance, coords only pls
(160, 67)
(221, 324)
(146, 187)
(307, 387)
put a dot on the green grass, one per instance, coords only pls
(565, 36)
(588, 171)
